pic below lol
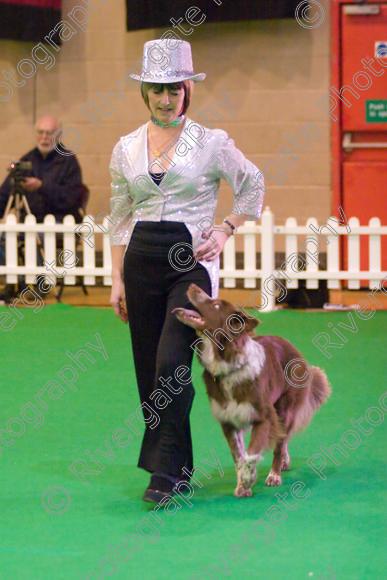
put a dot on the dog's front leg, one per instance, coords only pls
(258, 442)
(237, 447)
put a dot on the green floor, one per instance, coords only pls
(335, 532)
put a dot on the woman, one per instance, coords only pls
(165, 181)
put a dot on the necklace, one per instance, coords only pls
(160, 149)
(174, 123)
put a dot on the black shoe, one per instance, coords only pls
(8, 293)
(160, 487)
(185, 477)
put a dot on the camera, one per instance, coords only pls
(18, 169)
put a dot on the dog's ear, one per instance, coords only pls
(238, 322)
(251, 323)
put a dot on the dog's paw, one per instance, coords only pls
(273, 479)
(247, 480)
(248, 474)
(240, 491)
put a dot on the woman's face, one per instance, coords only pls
(166, 101)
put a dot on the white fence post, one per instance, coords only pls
(69, 260)
(249, 256)
(30, 249)
(107, 258)
(50, 250)
(267, 256)
(312, 257)
(229, 262)
(89, 263)
(11, 249)
(333, 258)
(291, 247)
(374, 251)
(353, 253)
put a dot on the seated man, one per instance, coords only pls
(55, 186)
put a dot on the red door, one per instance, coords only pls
(364, 116)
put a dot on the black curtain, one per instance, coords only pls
(28, 20)
(142, 14)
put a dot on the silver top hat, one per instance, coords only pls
(163, 64)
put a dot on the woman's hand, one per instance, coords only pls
(212, 247)
(117, 298)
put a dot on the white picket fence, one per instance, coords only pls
(268, 231)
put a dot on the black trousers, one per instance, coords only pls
(161, 343)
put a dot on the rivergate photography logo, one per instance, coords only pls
(56, 500)
(309, 14)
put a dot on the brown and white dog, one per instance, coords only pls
(261, 382)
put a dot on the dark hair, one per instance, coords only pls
(187, 86)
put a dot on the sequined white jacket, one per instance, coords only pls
(188, 192)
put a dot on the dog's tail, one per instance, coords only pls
(317, 393)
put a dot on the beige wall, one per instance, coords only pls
(273, 73)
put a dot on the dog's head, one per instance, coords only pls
(222, 330)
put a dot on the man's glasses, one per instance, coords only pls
(40, 132)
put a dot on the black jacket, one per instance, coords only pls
(61, 191)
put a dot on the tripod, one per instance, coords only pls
(17, 202)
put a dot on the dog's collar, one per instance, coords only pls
(222, 375)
